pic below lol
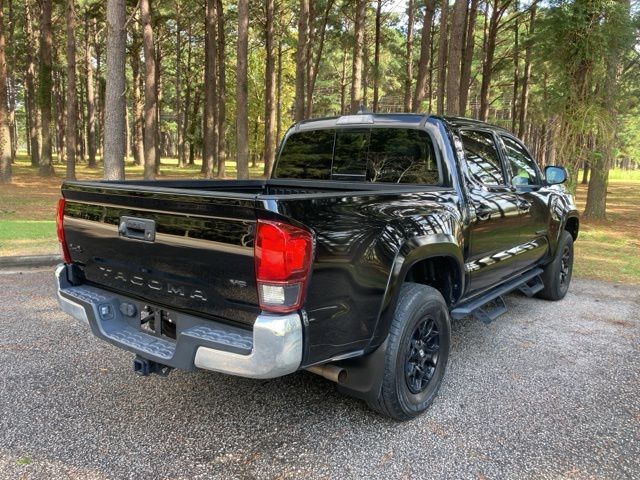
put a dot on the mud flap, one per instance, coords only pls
(364, 374)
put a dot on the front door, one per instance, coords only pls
(532, 198)
(494, 232)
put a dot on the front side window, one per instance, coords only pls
(481, 155)
(380, 155)
(523, 167)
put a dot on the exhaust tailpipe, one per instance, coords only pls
(330, 372)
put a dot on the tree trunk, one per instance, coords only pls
(150, 93)
(72, 106)
(425, 56)
(596, 207)
(242, 95)
(101, 90)
(158, 91)
(487, 66)
(314, 65)
(27, 121)
(59, 131)
(46, 88)
(456, 47)
(358, 48)
(270, 91)
(524, 99)
(186, 121)
(376, 58)
(408, 81)
(136, 100)
(91, 107)
(114, 104)
(365, 66)
(5, 134)
(301, 59)
(343, 83)
(516, 69)
(210, 124)
(30, 85)
(467, 57)
(127, 136)
(81, 148)
(617, 20)
(585, 174)
(279, 93)
(192, 126)
(442, 55)
(309, 59)
(222, 93)
(177, 109)
(11, 85)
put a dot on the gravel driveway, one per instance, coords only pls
(549, 390)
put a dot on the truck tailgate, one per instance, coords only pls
(191, 251)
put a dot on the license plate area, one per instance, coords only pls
(158, 322)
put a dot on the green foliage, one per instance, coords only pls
(568, 102)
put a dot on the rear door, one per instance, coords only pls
(190, 251)
(495, 224)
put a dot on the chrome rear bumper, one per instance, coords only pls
(272, 349)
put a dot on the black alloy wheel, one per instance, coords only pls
(565, 265)
(422, 355)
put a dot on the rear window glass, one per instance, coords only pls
(307, 155)
(389, 155)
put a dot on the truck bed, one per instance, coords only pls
(201, 260)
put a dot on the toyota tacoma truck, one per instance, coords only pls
(372, 234)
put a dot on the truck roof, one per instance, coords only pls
(388, 119)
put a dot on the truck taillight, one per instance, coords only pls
(60, 230)
(283, 257)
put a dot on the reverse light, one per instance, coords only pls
(283, 257)
(60, 231)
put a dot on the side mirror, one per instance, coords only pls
(555, 175)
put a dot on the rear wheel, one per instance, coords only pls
(557, 275)
(417, 353)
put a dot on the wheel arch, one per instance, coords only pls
(572, 225)
(433, 260)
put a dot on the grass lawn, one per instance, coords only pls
(610, 250)
(27, 237)
(607, 250)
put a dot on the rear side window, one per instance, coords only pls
(381, 155)
(402, 156)
(482, 157)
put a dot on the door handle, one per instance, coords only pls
(483, 212)
(524, 205)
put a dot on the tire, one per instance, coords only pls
(557, 274)
(408, 389)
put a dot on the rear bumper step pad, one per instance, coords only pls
(272, 349)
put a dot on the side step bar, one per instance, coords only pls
(532, 287)
(490, 305)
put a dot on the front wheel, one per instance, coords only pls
(557, 274)
(417, 353)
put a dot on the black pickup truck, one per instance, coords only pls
(373, 232)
